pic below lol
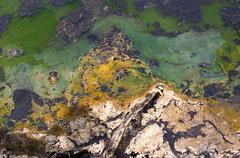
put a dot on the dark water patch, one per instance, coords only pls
(236, 90)
(4, 20)
(215, 91)
(2, 74)
(29, 7)
(22, 99)
(232, 74)
(92, 38)
(2, 88)
(60, 2)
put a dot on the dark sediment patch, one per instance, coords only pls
(236, 90)
(2, 74)
(60, 2)
(216, 91)
(185, 11)
(134, 54)
(232, 74)
(22, 99)
(29, 7)
(154, 63)
(231, 17)
(92, 38)
(4, 20)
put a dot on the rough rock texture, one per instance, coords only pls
(29, 7)
(77, 23)
(161, 124)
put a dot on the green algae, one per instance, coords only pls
(179, 60)
(211, 15)
(167, 23)
(228, 56)
(9, 6)
(61, 11)
(30, 33)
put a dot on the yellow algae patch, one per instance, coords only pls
(106, 75)
(227, 112)
(63, 112)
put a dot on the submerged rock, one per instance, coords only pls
(216, 90)
(186, 11)
(154, 63)
(29, 7)
(60, 2)
(4, 20)
(75, 24)
(22, 99)
(231, 17)
(236, 90)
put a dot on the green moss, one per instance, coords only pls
(61, 11)
(130, 7)
(228, 56)
(9, 6)
(30, 33)
(211, 14)
(166, 22)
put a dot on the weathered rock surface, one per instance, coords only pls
(161, 124)
(77, 23)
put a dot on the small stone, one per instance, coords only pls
(14, 52)
(121, 89)
(154, 62)
(53, 76)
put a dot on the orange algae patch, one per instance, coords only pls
(227, 112)
(118, 79)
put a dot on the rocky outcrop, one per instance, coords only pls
(161, 124)
(74, 25)
(77, 23)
